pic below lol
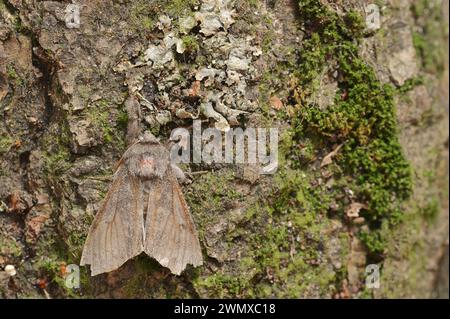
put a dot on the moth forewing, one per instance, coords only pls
(170, 234)
(116, 234)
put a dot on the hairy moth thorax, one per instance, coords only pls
(148, 160)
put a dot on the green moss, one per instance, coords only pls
(146, 23)
(108, 121)
(285, 235)
(99, 115)
(287, 230)
(430, 35)
(75, 243)
(57, 162)
(144, 268)
(142, 16)
(9, 247)
(431, 210)
(362, 116)
(50, 259)
(406, 250)
(13, 75)
(5, 143)
(223, 285)
(191, 43)
(179, 8)
(374, 242)
(150, 280)
(57, 158)
(212, 192)
(83, 91)
(292, 239)
(122, 119)
(410, 84)
(253, 3)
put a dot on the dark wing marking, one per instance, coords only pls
(116, 234)
(170, 234)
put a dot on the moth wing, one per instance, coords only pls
(170, 234)
(116, 234)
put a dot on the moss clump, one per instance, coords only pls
(362, 116)
(429, 38)
(50, 261)
(9, 247)
(142, 16)
(108, 121)
(222, 285)
(58, 157)
(179, 8)
(122, 119)
(5, 143)
(410, 84)
(98, 115)
(190, 42)
(289, 247)
(285, 235)
(212, 193)
(58, 162)
(14, 76)
(431, 210)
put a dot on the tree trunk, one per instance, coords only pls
(358, 207)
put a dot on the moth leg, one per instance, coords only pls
(180, 175)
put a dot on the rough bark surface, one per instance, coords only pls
(68, 96)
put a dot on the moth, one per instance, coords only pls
(144, 211)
